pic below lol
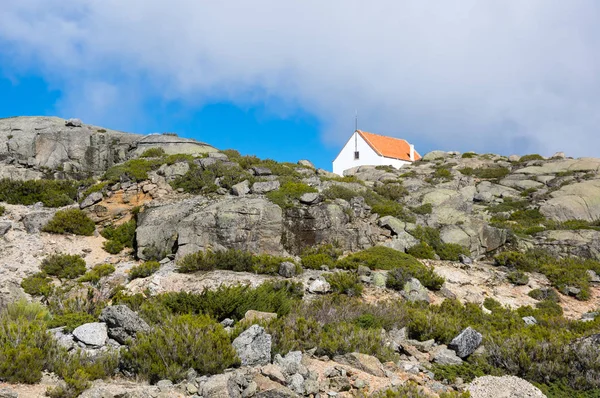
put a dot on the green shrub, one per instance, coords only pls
(182, 342)
(391, 191)
(112, 246)
(451, 251)
(97, 272)
(153, 153)
(135, 169)
(202, 180)
(341, 192)
(509, 204)
(144, 270)
(487, 173)
(378, 257)
(427, 208)
(119, 237)
(288, 193)
(562, 273)
(316, 256)
(71, 221)
(2, 210)
(469, 155)
(518, 278)
(78, 370)
(38, 285)
(347, 283)
(71, 320)
(64, 266)
(443, 173)
(233, 260)
(544, 294)
(24, 343)
(527, 158)
(50, 192)
(234, 301)
(422, 250)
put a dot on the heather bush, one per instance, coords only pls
(153, 153)
(38, 285)
(233, 260)
(51, 193)
(135, 169)
(2, 210)
(71, 221)
(422, 250)
(289, 192)
(144, 270)
(347, 283)
(119, 237)
(182, 342)
(64, 266)
(71, 320)
(315, 257)
(97, 272)
(24, 343)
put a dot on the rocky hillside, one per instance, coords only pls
(159, 266)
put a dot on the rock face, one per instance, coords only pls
(503, 387)
(579, 201)
(92, 334)
(122, 323)
(466, 342)
(253, 346)
(38, 143)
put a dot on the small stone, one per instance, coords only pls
(274, 373)
(91, 200)
(306, 163)
(241, 189)
(319, 286)
(310, 198)
(73, 123)
(379, 279)
(191, 388)
(287, 269)
(465, 259)
(593, 276)
(261, 171)
(4, 228)
(362, 270)
(466, 342)
(227, 322)
(93, 334)
(7, 392)
(251, 390)
(256, 316)
(164, 385)
(265, 187)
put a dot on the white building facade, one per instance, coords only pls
(366, 149)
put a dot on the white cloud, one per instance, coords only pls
(502, 75)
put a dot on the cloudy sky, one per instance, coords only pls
(283, 79)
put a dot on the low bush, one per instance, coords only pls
(144, 270)
(391, 191)
(79, 369)
(2, 210)
(233, 260)
(442, 173)
(518, 278)
(97, 272)
(202, 180)
(119, 237)
(288, 193)
(153, 153)
(378, 257)
(71, 320)
(528, 158)
(486, 173)
(50, 192)
(422, 250)
(24, 343)
(182, 342)
(317, 256)
(347, 283)
(427, 208)
(71, 221)
(64, 266)
(38, 285)
(562, 273)
(469, 155)
(431, 237)
(544, 294)
(234, 301)
(135, 169)
(384, 258)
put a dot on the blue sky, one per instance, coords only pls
(283, 79)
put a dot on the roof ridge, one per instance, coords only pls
(381, 135)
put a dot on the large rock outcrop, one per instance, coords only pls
(31, 145)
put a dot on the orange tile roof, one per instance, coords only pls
(389, 147)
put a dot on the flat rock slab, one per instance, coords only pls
(94, 334)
